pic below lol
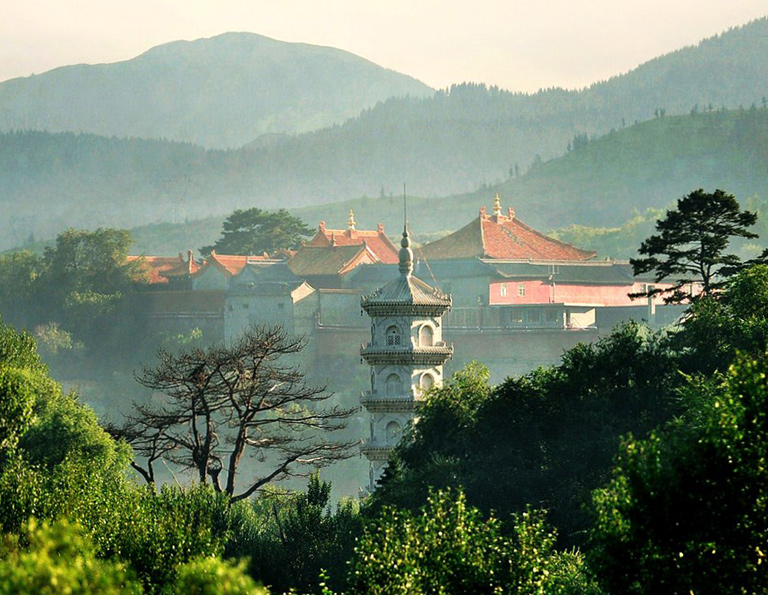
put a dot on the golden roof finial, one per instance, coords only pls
(351, 223)
(497, 205)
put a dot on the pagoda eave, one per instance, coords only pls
(404, 309)
(421, 356)
(376, 452)
(384, 404)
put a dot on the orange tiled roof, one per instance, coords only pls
(502, 237)
(163, 268)
(377, 241)
(230, 264)
(329, 260)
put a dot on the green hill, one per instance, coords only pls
(219, 92)
(606, 183)
(646, 166)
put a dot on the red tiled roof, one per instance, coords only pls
(503, 237)
(229, 264)
(377, 241)
(163, 268)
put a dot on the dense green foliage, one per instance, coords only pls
(296, 536)
(546, 439)
(73, 299)
(690, 245)
(717, 328)
(255, 231)
(211, 576)
(60, 559)
(57, 462)
(685, 510)
(447, 547)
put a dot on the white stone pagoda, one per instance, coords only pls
(406, 355)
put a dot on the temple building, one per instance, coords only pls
(376, 241)
(406, 355)
(503, 274)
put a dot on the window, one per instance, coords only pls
(394, 385)
(426, 336)
(393, 336)
(551, 315)
(503, 289)
(427, 381)
(521, 289)
(534, 315)
(393, 432)
(515, 315)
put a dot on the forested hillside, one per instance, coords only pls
(219, 92)
(451, 144)
(604, 195)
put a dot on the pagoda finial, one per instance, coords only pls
(497, 205)
(351, 222)
(406, 254)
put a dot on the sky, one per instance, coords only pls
(520, 45)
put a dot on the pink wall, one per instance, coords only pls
(539, 292)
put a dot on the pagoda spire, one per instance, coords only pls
(351, 222)
(406, 254)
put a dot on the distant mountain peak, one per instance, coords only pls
(219, 92)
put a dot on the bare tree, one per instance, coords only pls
(223, 402)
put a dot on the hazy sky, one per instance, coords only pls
(520, 45)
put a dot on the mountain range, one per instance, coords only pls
(457, 143)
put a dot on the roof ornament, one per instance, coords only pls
(406, 254)
(497, 206)
(351, 222)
